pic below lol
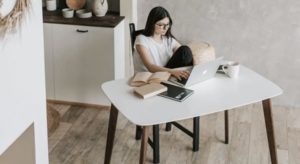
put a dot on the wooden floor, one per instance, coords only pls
(81, 138)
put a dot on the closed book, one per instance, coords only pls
(176, 93)
(150, 90)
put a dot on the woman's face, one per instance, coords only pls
(162, 26)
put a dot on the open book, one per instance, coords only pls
(142, 78)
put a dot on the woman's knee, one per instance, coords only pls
(186, 53)
(182, 57)
(184, 49)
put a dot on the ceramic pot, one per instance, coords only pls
(51, 5)
(6, 7)
(100, 7)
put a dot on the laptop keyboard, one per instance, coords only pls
(182, 81)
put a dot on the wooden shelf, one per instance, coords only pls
(111, 19)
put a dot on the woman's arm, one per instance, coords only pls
(148, 62)
(177, 45)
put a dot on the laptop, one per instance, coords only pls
(199, 73)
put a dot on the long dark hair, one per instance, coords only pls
(156, 14)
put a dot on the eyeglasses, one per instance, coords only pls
(161, 25)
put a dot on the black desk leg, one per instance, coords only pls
(155, 143)
(226, 126)
(168, 126)
(270, 130)
(144, 144)
(113, 118)
(138, 132)
(196, 126)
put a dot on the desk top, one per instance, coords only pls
(214, 95)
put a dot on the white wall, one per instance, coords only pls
(22, 85)
(128, 8)
(22, 148)
(263, 35)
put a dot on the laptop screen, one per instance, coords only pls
(200, 73)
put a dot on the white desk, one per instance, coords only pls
(214, 95)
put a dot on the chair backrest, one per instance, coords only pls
(133, 34)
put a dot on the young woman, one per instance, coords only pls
(158, 50)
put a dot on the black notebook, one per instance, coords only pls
(176, 93)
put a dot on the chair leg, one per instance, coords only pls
(196, 136)
(138, 132)
(226, 126)
(156, 144)
(144, 144)
(168, 126)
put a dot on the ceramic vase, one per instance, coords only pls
(100, 7)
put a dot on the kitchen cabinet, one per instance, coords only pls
(80, 58)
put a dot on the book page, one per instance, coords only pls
(140, 78)
(158, 77)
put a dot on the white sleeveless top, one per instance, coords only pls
(160, 52)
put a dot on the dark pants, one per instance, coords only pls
(182, 57)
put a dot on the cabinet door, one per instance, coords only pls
(48, 47)
(83, 60)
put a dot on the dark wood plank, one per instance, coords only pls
(270, 130)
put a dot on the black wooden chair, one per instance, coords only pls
(133, 34)
(154, 143)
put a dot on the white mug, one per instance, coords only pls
(232, 69)
(51, 5)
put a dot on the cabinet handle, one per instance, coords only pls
(82, 31)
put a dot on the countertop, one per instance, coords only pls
(109, 20)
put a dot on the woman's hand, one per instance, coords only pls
(179, 74)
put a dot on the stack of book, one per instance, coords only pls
(150, 90)
(150, 84)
